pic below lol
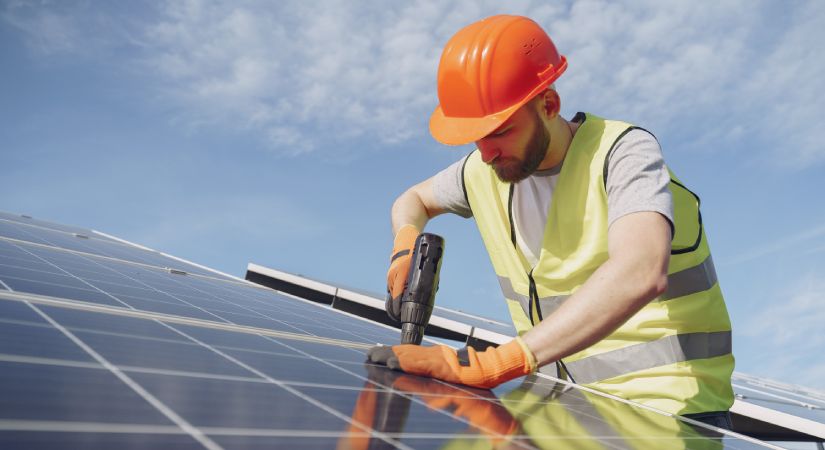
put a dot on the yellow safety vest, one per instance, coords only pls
(675, 353)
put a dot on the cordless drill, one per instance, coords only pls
(422, 282)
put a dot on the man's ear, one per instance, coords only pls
(550, 103)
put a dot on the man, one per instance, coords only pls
(599, 249)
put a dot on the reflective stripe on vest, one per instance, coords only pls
(646, 355)
(679, 284)
(690, 281)
(547, 304)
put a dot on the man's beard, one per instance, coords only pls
(512, 170)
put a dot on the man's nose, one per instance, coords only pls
(489, 151)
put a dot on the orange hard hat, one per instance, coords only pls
(488, 70)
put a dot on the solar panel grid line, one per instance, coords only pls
(48, 361)
(294, 391)
(158, 290)
(778, 397)
(92, 307)
(99, 427)
(71, 251)
(255, 312)
(157, 371)
(345, 313)
(23, 219)
(76, 277)
(151, 399)
(86, 427)
(338, 311)
(125, 368)
(267, 316)
(75, 243)
(224, 431)
(176, 258)
(90, 331)
(213, 274)
(820, 402)
(227, 301)
(797, 391)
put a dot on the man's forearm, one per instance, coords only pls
(635, 274)
(411, 207)
(597, 309)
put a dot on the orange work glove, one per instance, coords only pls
(399, 268)
(485, 369)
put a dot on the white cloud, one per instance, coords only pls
(308, 76)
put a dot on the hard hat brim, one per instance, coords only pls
(464, 130)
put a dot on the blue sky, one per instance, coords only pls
(280, 132)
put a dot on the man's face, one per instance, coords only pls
(517, 147)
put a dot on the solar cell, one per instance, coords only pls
(97, 352)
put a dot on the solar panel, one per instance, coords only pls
(100, 349)
(799, 401)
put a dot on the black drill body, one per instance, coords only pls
(422, 283)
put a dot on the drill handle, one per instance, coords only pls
(422, 283)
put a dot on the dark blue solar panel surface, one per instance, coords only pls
(111, 351)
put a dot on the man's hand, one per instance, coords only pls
(399, 268)
(485, 369)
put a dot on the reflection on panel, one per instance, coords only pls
(106, 349)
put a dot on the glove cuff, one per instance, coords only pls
(405, 238)
(528, 354)
(515, 360)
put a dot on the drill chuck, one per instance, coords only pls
(422, 283)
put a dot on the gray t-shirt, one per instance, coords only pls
(637, 180)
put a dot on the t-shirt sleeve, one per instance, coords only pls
(637, 178)
(448, 189)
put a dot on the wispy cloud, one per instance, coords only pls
(306, 77)
(810, 237)
(789, 332)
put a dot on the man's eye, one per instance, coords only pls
(501, 132)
